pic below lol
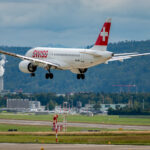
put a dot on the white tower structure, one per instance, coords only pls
(2, 70)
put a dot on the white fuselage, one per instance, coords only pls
(70, 58)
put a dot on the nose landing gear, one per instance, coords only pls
(32, 74)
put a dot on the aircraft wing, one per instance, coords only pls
(34, 60)
(124, 56)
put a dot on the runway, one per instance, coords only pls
(88, 125)
(13, 146)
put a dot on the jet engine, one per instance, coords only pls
(27, 67)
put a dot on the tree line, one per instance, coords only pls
(137, 102)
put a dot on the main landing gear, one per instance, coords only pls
(49, 74)
(80, 76)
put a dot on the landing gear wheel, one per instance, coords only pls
(47, 75)
(32, 74)
(51, 76)
(78, 76)
(83, 76)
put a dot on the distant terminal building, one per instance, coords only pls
(24, 105)
(17, 103)
(104, 107)
(34, 104)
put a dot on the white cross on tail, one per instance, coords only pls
(104, 34)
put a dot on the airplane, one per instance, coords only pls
(76, 60)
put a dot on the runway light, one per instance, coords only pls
(42, 148)
(109, 142)
(120, 129)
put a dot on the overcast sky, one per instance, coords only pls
(72, 23)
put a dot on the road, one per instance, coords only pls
(13, 146)
(45, 123)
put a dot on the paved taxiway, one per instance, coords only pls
(27, 122)
(11, 146)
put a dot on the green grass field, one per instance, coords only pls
(31, 128)
(28, 132)
(77, 139)
(135, 120)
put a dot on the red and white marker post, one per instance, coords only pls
(55, 126)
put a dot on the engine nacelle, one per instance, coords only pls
(27, 67)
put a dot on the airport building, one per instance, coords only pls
(24, 105)
(18, 103)
(104, 107)
(89, 108)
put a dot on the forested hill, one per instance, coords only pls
(98, 79)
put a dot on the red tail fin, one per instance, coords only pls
(103, 37)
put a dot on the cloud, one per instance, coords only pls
(75, 21)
